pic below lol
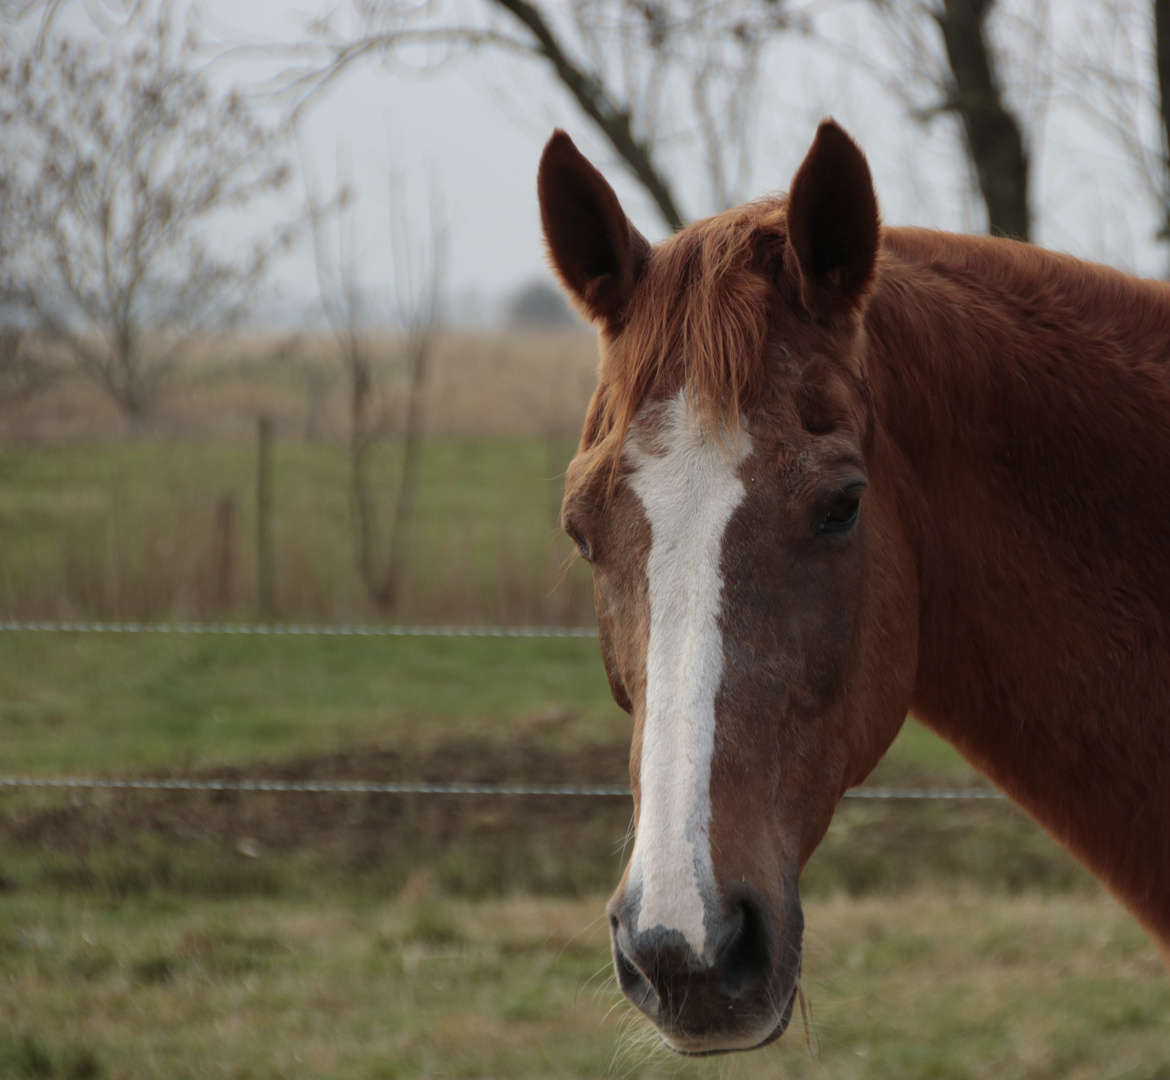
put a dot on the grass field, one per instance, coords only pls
(925, 987)
(97, 702)
(100, 522)
(522, 384)
(338, 936)
(129, 530)
(254, 936)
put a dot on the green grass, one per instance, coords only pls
(537, 710)
(81, 704)
(95, 702)
(927, 987)
(129, 531)
(144, 936)
(918, 750)
(100, 702)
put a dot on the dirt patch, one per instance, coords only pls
(474, 843)
(228, 842)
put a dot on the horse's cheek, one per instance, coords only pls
(887, 644)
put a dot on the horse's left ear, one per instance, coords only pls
(597, 252)
(833, 223)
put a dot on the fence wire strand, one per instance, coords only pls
(412, 787)
(297, 630)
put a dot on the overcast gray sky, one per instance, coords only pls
(473, 133)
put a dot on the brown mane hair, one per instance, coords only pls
(698, 319)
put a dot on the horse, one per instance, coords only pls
(834, 473)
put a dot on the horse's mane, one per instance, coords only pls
(698, 319)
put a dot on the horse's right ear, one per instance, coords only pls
(597, 253)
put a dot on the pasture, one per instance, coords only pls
(129, 530)
(340, 936)
(98, 521)
(927, 986)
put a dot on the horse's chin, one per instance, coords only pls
(700, 1046)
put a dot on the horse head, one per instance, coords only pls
(756, 591)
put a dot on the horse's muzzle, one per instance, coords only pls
(738, 996)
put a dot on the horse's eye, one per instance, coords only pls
(841, 516)
(583, 548)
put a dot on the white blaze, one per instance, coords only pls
(688, 483)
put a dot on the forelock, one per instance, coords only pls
(698, 319)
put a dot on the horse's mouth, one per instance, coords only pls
(782, 1022)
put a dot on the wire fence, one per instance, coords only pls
(411, 787)
(298, 629)
(372, 787)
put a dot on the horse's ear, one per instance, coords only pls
(597, 253)
(833, 223)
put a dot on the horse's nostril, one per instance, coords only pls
(634, 983)
(746, 959)
(627, 969)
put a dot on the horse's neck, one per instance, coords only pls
(1030, 397)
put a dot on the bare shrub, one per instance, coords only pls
(116, 162)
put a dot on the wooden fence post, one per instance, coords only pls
(225, 554)
(265, 547)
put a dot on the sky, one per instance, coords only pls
(468, 138)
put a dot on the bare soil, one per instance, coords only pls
(290, 821)
(218, 842)
(474, 843)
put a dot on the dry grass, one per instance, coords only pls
(925, 987)
(519, 384)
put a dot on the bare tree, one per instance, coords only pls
(656, 77)
(25, 366)
(107, 16)
(949, 65)
(381, 519)
(687, 72)
(117, 162)
(1117, 74)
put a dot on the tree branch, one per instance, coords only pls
(600, 107)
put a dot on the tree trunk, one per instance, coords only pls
(361, 437)
(417, 359)
(995, 144)
(1162, 58)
